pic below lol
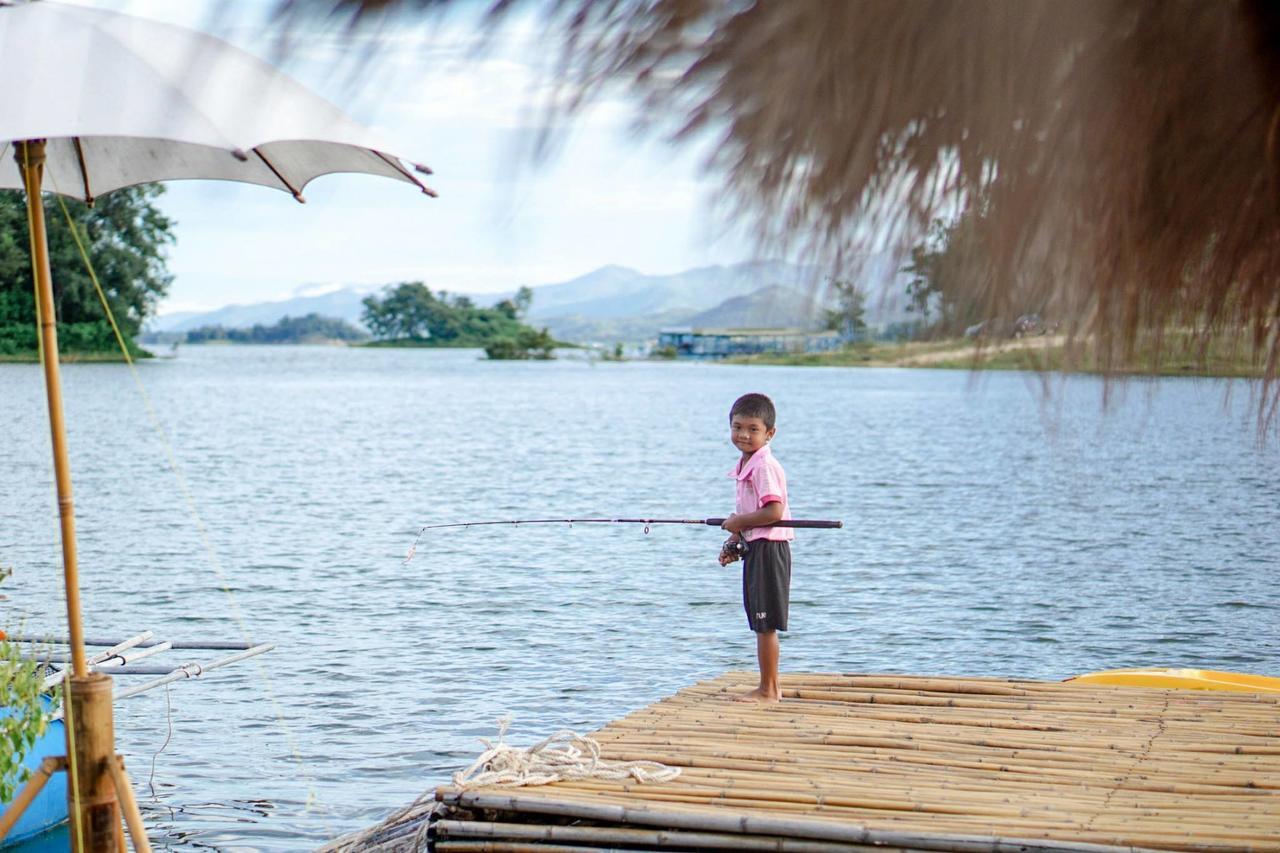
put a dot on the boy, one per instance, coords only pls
(766, 569)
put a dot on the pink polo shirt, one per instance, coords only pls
(759, 482)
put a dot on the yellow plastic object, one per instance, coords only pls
(1183, 679)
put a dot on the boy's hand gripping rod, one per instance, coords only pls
(647, 522)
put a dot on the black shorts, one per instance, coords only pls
(766, 584)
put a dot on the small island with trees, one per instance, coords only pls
(406, 315)
(410, 315)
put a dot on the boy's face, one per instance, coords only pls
(749, 434)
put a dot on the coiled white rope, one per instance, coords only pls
(563, 756)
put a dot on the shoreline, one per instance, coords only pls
(1044, 354)
(74, 358)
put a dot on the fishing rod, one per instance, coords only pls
(647, 522)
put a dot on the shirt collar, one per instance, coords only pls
(758, 458)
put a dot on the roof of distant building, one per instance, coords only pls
(709, 331)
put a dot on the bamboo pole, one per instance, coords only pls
(913, 794)
(91, 798)
(911, 831)
(133, 817)
(760, 825)
(454, 829)
(35, 784)
(1077, 817)
(30, 156)
(514, 847)
(96, 824)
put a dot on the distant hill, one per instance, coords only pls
(613, 292)
(768, 307)
(344, 304)
(617, 303)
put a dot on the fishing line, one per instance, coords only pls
(184, 488)
(169, 716)
(812, 524)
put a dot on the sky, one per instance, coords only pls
(502, 219)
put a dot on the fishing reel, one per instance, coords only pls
(734, 549)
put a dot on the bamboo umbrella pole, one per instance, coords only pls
(30, 156)
(95, 824)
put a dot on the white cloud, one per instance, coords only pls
(500, 221)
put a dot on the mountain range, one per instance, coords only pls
(616, 303)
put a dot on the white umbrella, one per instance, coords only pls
(95, 101)
(124, 101)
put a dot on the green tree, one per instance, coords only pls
(126, 237)
(288, 330)
(849, 315)
(942, 269)
(924, 289)
(411, 313)
(407, 310)
(529, 343)
(523, 301)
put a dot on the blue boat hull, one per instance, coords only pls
(49, 810)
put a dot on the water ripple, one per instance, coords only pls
(986, 533)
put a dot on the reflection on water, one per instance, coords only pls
(211, 825)
(986, 533)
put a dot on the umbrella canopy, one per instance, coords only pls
(123, 100)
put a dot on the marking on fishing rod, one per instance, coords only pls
(647, 522)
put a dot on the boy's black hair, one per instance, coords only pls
(755, 406)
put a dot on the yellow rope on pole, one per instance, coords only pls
(93, 276)
(73, 777)
(185, 489)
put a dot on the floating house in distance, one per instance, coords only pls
(690, 342)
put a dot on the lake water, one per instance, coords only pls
(987, 532)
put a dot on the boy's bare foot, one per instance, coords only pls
(759, 695)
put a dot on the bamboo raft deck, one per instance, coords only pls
(905, 762)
